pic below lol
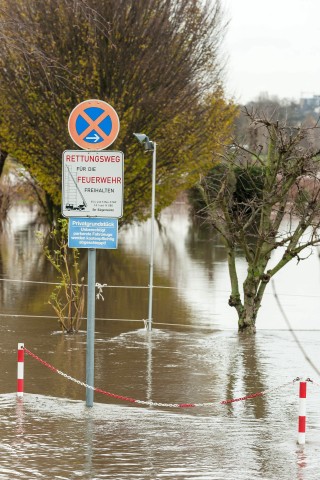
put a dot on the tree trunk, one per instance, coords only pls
(248, 315)
(247, 322)
(251, 305)
(247, 330)
(3, 156)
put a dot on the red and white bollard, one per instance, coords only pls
(20, 373)
(302, 413)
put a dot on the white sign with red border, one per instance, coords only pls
(92, 183)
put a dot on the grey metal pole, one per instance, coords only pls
(91, 299)
(153, 201)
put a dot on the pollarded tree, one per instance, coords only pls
(155, 61)
(262, 200)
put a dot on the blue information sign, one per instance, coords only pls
(93, 233)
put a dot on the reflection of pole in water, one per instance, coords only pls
(88, 445)
(301, 463)
(149, 366)
(149, 452)
(20, 417)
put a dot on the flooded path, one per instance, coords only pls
(193, 355)
(51, 434)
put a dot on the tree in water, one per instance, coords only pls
(260, 200)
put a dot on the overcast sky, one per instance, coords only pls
(272, 46)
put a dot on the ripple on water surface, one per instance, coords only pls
(52, 438)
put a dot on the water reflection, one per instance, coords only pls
(88, 444)
(20, 418)
(50, 434)
(190, 268)
(195, 263)
(149, 395)
(301, 463)
(245, 374)
(252, 439)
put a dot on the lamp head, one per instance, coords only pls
(141, 137)
(144, 140)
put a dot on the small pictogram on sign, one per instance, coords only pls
(93, 125)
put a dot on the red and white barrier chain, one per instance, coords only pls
(156, 404)
(260, 394)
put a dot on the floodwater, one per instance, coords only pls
(193, 355)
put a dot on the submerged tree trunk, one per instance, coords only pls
(247, 326)
(253, 290)
(249, 311)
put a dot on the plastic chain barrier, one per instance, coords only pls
(312, 381)
(260, 394)
(151, 403)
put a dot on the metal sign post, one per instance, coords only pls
(92, 186)
(91, 302)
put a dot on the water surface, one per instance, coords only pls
(193, 355)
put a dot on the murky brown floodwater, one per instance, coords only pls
(193, 355)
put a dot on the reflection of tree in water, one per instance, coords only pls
(126, 266)
(70, 357)
(205, 247)
(246, 375)
(119, 268)
(30, 276)
(3, 242)
(24, 262)
(21, 258)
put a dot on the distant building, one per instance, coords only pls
(310, 103)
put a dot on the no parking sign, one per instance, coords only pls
(93, 125)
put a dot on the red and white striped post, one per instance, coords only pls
(20, 373)
(302, 413)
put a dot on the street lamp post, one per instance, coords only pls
(150, 146)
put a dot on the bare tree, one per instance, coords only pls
(262, 200)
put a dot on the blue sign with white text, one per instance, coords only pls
(93, 233)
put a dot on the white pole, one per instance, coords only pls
(153, 201)
(20, 370)
(302, 413)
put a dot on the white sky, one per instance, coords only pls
(272, 46)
